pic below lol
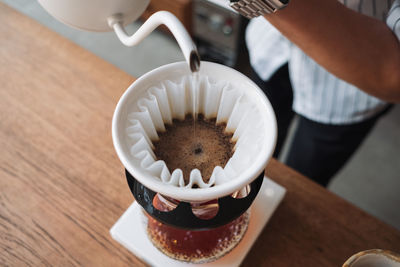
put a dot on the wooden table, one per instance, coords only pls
(62, 185)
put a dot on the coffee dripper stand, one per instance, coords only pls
(265, 195)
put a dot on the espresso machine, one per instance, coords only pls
(218, 31)
(172, 222)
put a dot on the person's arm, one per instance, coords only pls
(354, 47)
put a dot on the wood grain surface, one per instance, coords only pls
(62, 186)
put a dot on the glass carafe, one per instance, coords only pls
(196, 246)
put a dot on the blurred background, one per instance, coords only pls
(370, 180)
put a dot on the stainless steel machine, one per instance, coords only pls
(218, 31)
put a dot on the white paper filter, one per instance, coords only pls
(167, 93)
(174, 99)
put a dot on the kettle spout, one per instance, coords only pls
(194, 61)
(177, 29)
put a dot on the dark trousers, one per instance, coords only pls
(318, 150)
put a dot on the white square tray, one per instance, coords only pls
(130, 232)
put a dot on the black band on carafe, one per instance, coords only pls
(182, 216)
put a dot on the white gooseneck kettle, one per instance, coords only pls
(107, 15)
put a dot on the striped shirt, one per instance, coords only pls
(318, 94)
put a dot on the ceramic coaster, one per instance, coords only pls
(130, 231)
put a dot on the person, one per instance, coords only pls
(334, 63)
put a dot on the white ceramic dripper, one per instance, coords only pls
(107, 15)
(229, 96)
